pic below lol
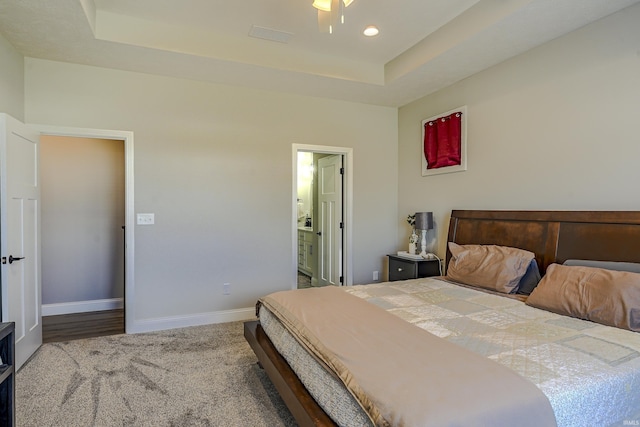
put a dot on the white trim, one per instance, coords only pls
(172, 322)
(82, 306)
(127, 137)
(347, 272)
(4, 291)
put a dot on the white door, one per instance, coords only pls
(330, 230)
(20, 234)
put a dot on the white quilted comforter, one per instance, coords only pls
(589, 372)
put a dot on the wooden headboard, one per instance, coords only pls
(554, 236)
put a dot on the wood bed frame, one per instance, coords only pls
(554, 237)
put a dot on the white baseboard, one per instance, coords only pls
(171, 322)
(150, 325)
(82, 306)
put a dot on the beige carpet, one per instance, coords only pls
(198, 376)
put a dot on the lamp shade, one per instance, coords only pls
(424, 220)
(322, 5)
(326, 4)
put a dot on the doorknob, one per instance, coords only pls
(12, 258)
(319, 233)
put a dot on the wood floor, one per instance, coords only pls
(66, 327)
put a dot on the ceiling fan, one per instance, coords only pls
(330, 13)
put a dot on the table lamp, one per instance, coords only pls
(424, 222)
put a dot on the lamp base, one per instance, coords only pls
(423, 244)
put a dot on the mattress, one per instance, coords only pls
(590, 373)
(326, 388)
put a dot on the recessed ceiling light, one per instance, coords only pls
(371, 31)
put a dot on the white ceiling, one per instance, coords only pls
(423, 45)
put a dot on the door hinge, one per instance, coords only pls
(341, 171)
(341, 279)
(4, 260)
(342, 225)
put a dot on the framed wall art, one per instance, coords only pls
(444, 142)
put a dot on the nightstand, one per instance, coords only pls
(401, 268)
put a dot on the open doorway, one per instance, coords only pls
(322, 216)
(83, 243)
(306, 220)
(126, 235)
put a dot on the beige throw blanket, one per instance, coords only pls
(401, 374)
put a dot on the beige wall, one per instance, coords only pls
(82, 211)
(11, 80)
(554, 128)
(214, 163)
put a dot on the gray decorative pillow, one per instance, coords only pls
(530, 279)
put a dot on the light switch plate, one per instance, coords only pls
(145, 219)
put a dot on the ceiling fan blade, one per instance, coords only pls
(336, 11)
(324, 21)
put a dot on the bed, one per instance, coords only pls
(577, 392)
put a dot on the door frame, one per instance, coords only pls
(129, 222)
(347, 195)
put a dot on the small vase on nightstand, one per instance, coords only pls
(413, 241)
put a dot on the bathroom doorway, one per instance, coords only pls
(307, 246)
(322, 206)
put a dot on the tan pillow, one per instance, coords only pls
(604, 296)
(498, 268)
